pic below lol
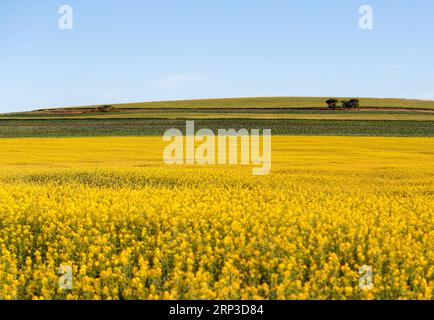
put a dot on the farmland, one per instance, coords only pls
(285, 116)
(89, 190)
(310, 114)
(156, 127)
(133, 228)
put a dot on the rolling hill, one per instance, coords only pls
(251, 103)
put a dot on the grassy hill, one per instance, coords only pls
(260, 103)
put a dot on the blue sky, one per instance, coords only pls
(139, 50)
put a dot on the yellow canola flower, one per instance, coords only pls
(131, 227)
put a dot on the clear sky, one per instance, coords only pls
(140, 50)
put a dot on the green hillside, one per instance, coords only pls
(263, 103)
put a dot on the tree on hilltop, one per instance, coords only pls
(354, 103)
(332, 103)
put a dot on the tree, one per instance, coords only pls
(332, 103)
(345, 104)
(354, 103)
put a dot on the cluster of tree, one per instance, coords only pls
(345, 104)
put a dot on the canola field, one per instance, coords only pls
(131, 227)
